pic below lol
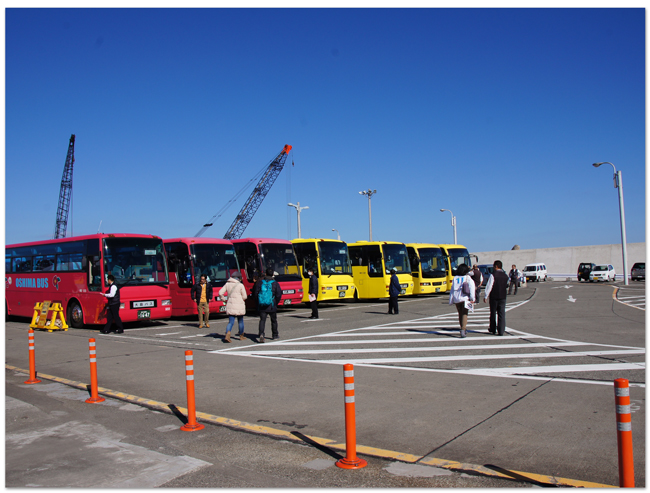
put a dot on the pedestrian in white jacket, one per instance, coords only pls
(233, 293)
(458, 297)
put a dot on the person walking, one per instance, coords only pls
(462, 294)
(477, 277)
(394, 290)
(268, 293)
(233, 294)
(513, 276)
(113, 307)
(202, 294)
(496, 289)
(313, 293)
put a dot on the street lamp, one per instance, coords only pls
(369, 193)
(337, 234)
(453, 223)
(618, 183)
(298, 209)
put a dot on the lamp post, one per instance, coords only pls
(369, 193)
(298, 209)
(453, 223)
(618, 183)
(338, 236)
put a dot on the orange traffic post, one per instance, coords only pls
(350, 461)
(191, 424)
(624, 433)
(94, 396)
(32, 359)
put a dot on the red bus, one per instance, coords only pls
(255, 255)
(74, 271)
(187, 260)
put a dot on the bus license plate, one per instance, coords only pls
(288, 291)
(287, 302)
(143, 314)
(403, 291)
(341, 294)
(437, 290)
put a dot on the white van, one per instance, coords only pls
(535, 272)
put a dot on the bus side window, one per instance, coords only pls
(94, 275)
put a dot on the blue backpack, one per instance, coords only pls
(265, 296)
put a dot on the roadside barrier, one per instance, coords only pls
(32, 359)
(350, 461)
(191, 424)
(624, 433)
(94, 396)
(41, 311)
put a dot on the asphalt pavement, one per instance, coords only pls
(532, 408)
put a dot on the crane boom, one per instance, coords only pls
(65, 194)
(258, 194)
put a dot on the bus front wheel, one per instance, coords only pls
(75, 315)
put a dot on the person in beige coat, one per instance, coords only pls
(234, 294)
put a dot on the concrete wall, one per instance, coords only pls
(564, 261)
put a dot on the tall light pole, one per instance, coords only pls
(453, 223)
(369, 193)
(618, 183)
(337, 234)
(298, 209)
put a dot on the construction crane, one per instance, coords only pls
(253, 203)
(65, 194)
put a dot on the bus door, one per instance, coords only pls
(368, 271)
(180, 279)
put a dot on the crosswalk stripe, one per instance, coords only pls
(490, 356)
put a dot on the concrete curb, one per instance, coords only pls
(493, 471)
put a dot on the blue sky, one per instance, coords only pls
(495, 114)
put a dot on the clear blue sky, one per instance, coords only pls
(496, 114)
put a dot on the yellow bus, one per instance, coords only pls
(372, 262)
(428, 268)
(331, 264)
(456, 255)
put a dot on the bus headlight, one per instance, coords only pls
(166, 303)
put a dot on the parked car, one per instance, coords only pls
(535, 272)
(486, 271)
(638, 271)
(584, 269)
(604, 272)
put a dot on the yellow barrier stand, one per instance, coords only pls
(40, 321)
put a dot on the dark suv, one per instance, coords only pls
(638, 271)
(584, 269)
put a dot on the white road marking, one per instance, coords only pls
(571, 299)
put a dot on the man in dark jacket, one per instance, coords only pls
(202, 294)
(271, 309)
(394, 289)
(313, 293)
(113, 307)
(497, 290)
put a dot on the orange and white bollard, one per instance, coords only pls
(191, 424)
(32, 359)
(624, 433)
(350, 461)
(94, 396)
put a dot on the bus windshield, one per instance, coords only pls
(395, 257)
(216, 261)
(432, 262)
(135, 261)
(458, 256)
(334, 258)
(280, 257)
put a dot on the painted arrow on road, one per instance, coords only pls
(571, 299)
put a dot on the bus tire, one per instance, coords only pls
(75, 316)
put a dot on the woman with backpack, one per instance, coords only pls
(235, 292)
(462, 291)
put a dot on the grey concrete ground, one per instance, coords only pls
(539, 400)
(54, 439)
